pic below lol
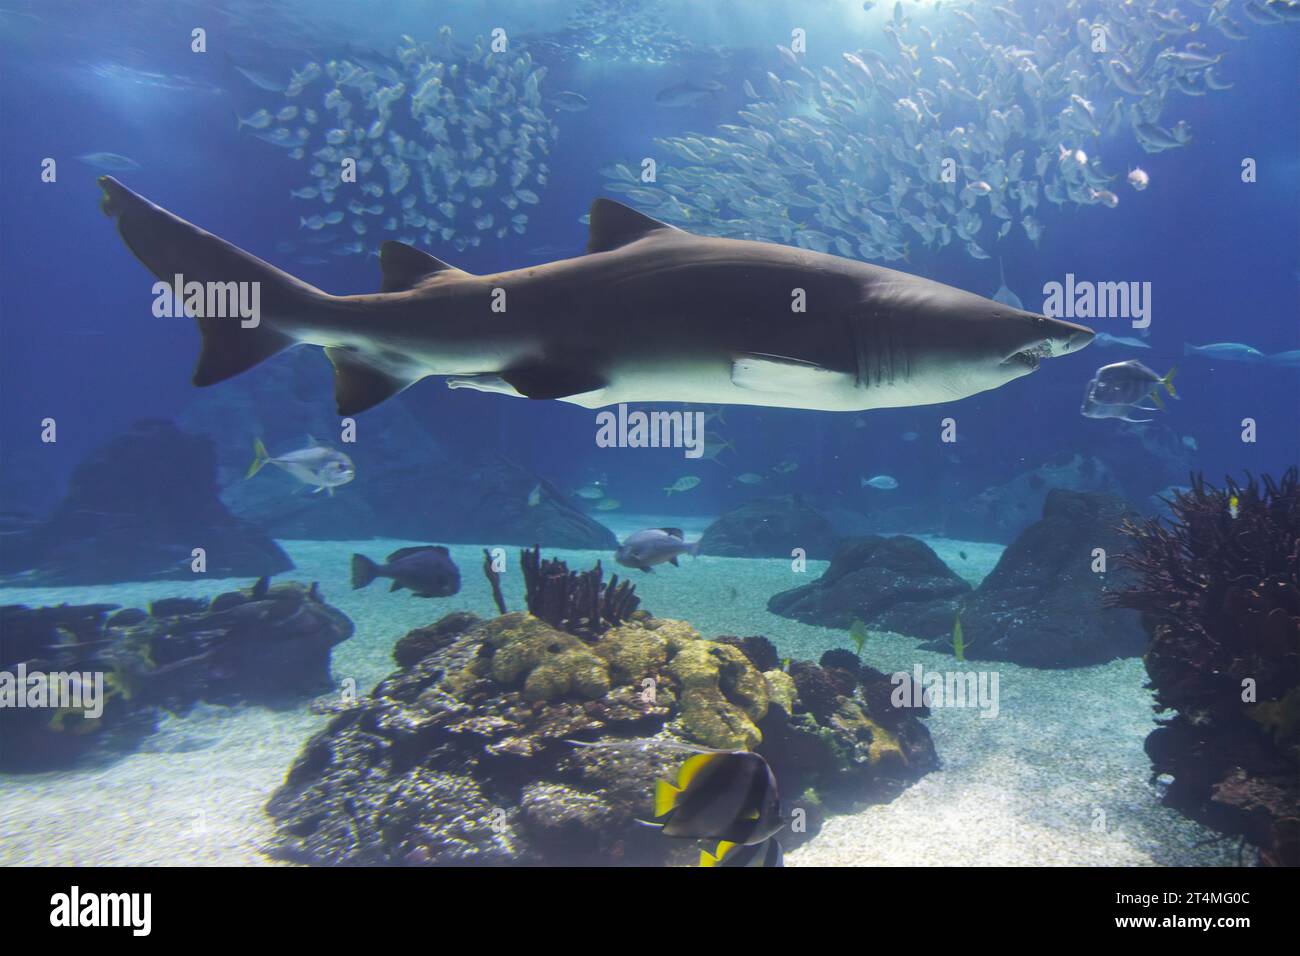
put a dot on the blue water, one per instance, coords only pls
(81, 346)
(78, 343)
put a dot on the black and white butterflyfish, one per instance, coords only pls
(730, 796)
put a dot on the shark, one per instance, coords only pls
(651, 313)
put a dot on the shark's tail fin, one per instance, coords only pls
(170, 247)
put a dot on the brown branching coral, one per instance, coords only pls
(580, 603)
(494, 581)
(1219, 594)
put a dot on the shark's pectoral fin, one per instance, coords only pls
(405, 267)
(776, 373)
(359, 385)
(546, 380)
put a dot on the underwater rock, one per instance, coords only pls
(473, 742)
(890, 584)
(1041, 606)
(267, 644)
(423, 641)
(770, 528)
(1001, 512)
(1145, 458)
(409, 485)
(841, 746)
(474, 502)
(757, 648)
(1219, 596)
(135, 510)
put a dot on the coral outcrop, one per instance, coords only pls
(472, 753)
(1218, 590)
(267, 644)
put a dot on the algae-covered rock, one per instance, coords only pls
(781, 691)
(632, 652)
(547, 663)
(468, 754)
(425, 640)
(723, 695)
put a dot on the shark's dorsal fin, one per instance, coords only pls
(405, 266)
(614, 225)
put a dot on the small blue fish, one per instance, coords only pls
(880, 482)
(113, 162)
(1105, 341)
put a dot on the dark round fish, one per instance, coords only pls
(427, 570)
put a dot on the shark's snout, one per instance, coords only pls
(1066, 337)
(1047, 338)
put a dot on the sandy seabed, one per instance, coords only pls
(1059, 777)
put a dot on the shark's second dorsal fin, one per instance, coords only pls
(405, 266)
(614, 225)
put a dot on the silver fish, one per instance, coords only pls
(318, 465)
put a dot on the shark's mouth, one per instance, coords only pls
(1030, 356)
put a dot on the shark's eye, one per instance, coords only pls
(1040, 322)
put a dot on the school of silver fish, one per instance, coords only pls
(1019, 96)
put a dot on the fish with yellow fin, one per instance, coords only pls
(727, 795)
(765, 854)
(959, 644)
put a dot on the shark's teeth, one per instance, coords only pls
(1030, 356)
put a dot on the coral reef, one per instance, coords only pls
(1042, 605)
(135, 510)
(1219, 594)
(268, 644)
(578, 602)
(468, 755)
(770, 528)
(893, 584)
